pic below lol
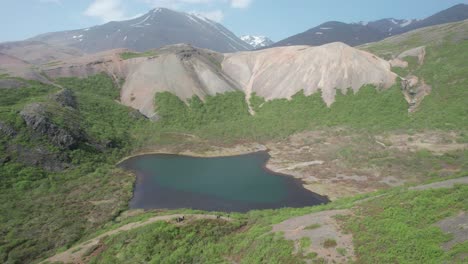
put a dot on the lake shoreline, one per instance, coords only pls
(297, 197)
(244, 149)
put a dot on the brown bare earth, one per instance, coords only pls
(77, 253)
(320, 227)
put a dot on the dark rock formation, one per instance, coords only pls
(36, 118)
(65, 98)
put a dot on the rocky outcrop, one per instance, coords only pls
(37, 119)
(414, 91)
(65, 98)
(419, 52)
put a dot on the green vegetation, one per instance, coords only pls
(399, 227)
(329, 243)
(226, 115)
(341, 251)
(304, 243)
(132, 55)
(312, 226)
(203, 241)
(174, 113)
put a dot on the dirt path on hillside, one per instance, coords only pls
(438, 185)
(77, 253)
(319, 228)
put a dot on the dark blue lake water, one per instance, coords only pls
(230, 184)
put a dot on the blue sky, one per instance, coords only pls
(20, 19)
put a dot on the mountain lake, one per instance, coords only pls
(228, 184)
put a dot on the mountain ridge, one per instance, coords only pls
(359, 33)
(155, 29)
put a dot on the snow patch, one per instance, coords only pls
(318, 33)
(406, 23)
(257, 41)
(326, 28)
(139, 24)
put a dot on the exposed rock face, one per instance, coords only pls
(414, 91)
(7, 130)
(65, 98)
(180, 69)
(36, 118)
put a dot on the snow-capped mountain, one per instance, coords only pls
(257, 41)
(155, 29)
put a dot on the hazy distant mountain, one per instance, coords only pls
(390, 26)
(158, 28)
(363, 32)
(257, 41)
(334, 31)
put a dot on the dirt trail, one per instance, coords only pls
(438, 185)
(320, 227)
(77, 253)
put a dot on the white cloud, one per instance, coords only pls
(240, 3)
(215, 15)
(106, 10)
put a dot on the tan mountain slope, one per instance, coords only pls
(16, 67)
(282, 72)
(180, 69)
(36, 52)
